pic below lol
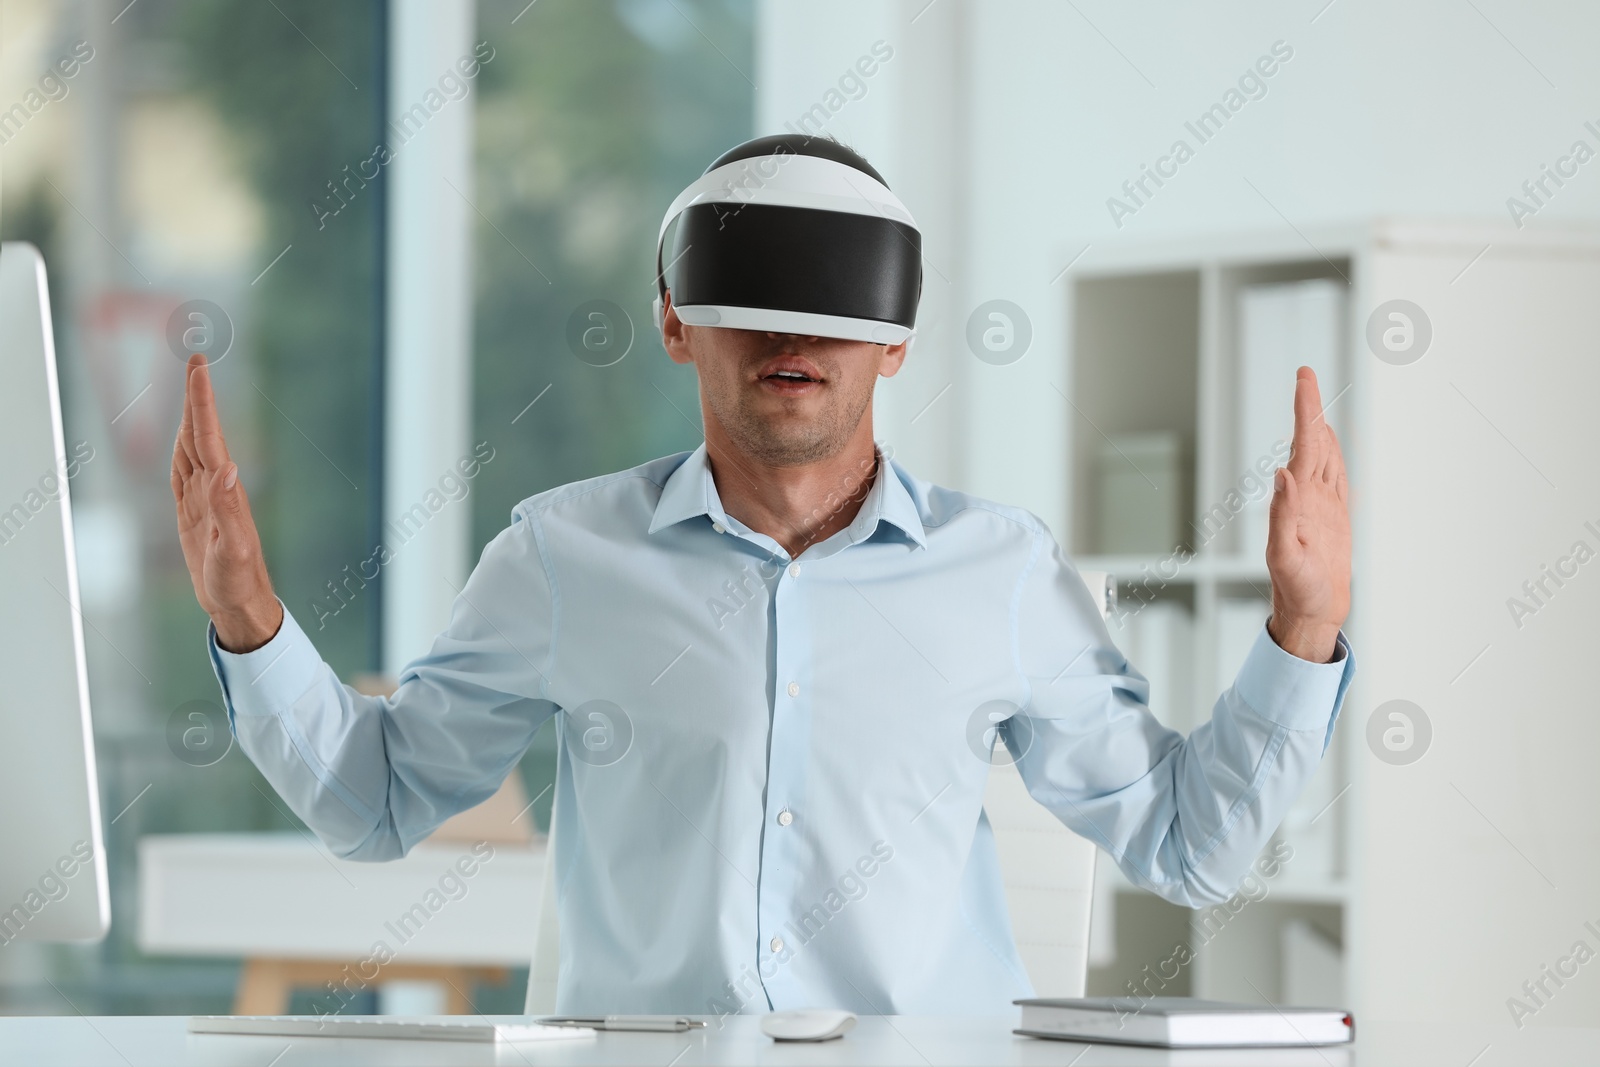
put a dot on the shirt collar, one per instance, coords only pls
(687, 492)
(690, 491)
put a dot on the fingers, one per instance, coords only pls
(1336, 470)
(226, 497)
(1309, 440)
(238, 542)
(182, 466)
(1333, 470)
(1283, 534)
(186, 426)
(182, 471)
(211, 450)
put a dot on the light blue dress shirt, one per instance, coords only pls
(770, 787)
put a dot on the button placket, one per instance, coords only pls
(787, 771)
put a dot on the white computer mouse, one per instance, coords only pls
(807, 1025)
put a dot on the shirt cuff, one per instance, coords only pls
(1292, 692)
(270, 679)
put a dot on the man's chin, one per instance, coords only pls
(786, 448)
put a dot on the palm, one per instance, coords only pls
(1308, 545)
(218, 535)
(199, 536)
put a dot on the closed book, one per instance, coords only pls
(1182, 1022)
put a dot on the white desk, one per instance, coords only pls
(162, 1041)
(282, 894)
(299, 916)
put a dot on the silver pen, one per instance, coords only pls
(658, 1023)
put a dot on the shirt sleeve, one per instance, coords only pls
(372, 776)
(1183, 817)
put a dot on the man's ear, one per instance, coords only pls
(891, 358)
(674, 334)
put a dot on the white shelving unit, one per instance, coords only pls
(1154, 347)
(1467, 860)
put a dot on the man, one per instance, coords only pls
(765, 658)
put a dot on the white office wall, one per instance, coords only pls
(1477, 866)
(900, 119)
(1006, 126)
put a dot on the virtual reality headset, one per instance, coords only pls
(793, 234)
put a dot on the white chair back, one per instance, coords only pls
(1047, 870)
(546, 965)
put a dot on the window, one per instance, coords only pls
(178, 163)
(202, 150)
(590, 119)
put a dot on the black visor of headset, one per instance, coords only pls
(790, 243)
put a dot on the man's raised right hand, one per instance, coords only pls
(220, 542)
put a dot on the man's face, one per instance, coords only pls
(784, 400)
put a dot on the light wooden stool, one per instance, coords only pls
(265, 984)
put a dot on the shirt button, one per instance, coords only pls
(785, 817)
(794, 689)
(776, 944)
(794, 570)
(717, 526)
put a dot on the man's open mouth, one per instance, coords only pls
(790, 371)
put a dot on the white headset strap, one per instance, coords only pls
(790, 180)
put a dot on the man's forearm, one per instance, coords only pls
(318, 744)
